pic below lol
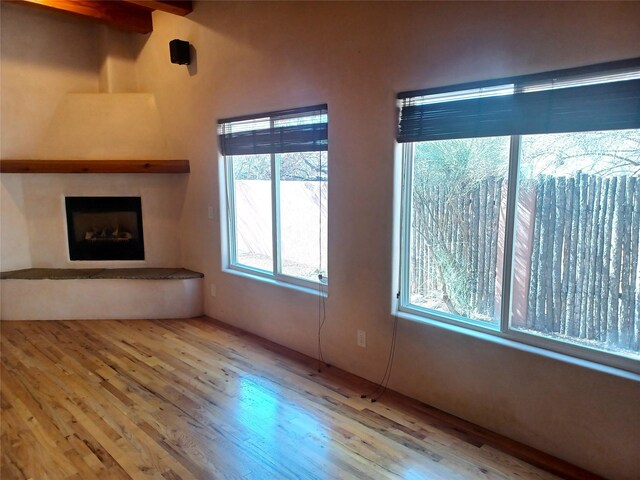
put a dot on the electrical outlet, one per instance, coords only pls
(213, 290)
(362, 339)
(210, 212)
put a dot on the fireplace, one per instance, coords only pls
(104, 228)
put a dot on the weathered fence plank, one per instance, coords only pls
(578, 319)
(474, 244)
(587, 301)
(584, 269)
(532, 312)
(558, 236)
(495, 221)
(625, 277)
(634, 308)
(482, 244)
(599, 220)
(616, 261)
(607, 297)
(566, 265)
(572, 281)
(549, 257)
(543, 299)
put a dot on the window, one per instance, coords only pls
(276, 194)
(520, 211)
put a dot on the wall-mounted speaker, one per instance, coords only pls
(179, 51)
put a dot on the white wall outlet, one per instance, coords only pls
(362, 338)
(210, 212)
(213, 290)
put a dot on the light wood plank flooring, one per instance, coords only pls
(194, 399)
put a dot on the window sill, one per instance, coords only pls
(503, 340)
(279, 283)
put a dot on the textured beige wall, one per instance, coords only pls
(112, 126)
(40, 64)
(60, 57)
(52, 68)
(162, 198)
(97, 299)
(356, 56)
(14, 230)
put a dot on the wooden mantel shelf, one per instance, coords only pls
(94, 166)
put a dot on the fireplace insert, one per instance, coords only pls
(104, 228)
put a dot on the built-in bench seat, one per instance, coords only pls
(100, 293)
(92, 273)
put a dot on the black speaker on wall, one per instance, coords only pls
(179, 51)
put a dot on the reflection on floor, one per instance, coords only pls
(194, 399)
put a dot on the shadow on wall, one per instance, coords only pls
(193, 66)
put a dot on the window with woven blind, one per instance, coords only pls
(276, 172)
(521, 209)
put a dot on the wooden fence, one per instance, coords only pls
(577, 247)
(455, 246)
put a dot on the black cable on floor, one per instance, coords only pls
(381, 388)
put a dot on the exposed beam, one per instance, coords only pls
(121, 15)
(177, 7)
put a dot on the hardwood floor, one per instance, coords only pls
(194, 399)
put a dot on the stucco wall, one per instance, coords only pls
(354, 56)
(259, 57)
(44, 58)
(39, 65)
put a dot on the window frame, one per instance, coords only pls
(501, 333)
(228, 224)
(403, 307)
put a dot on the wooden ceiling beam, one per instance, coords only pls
(179, 7)
(121, 15)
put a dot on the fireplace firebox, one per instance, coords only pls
(104, 228)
